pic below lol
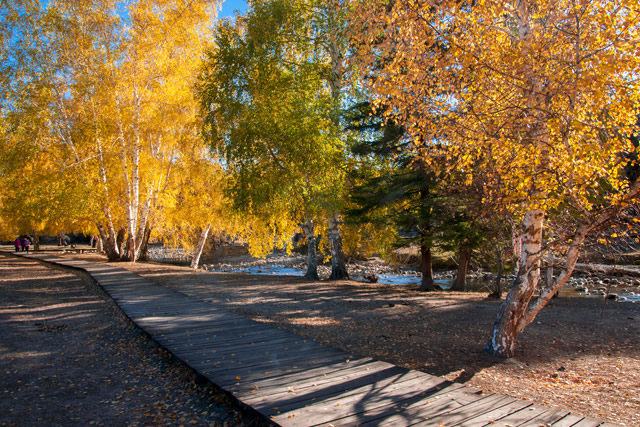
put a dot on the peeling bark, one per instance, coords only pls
(508, 323)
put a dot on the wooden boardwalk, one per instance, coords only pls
(298, 382)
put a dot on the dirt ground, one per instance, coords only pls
(581, 354)
(69, 357)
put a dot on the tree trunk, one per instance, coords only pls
(338, 267)
(99, 245)
(197, 253)
(108, 238)
(464, 256)
(426, 267)
(109, 242)
(144, 248)
(143, 225)
(312, 266)
(128, 252)
(497, 287)
(120, 242)
(132, 186)
(508, 324)
(36, 241)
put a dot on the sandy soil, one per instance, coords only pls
(68, 356)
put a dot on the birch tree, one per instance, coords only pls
(547, 91)
(267, 112)
(115, 79)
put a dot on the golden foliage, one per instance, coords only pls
(545, 91)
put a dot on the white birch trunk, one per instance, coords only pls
(108, 241)
(142, 228)
(338, 267)
(197, 253)
(108, 236)
(508, 323)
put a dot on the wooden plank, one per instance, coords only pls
(256, 352)
(568, 420)
(230, 344)
(273, 352)
(339, 406)
(197, 332)
(348, 371)
(522, 417)
(184, 321)
(587, 422)
(253, 377)
(222, 323)
(239, 327)
(321, 386)
(268, 363)
(549, 416)
(151, 309)
(267, 368)
(490, 418)
(469, 411)
(310, 376)
(222, 340)
(429, 407)
(253, 374)
(226, 320)
(398, 413)
(342, 393)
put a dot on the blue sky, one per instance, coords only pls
(228, 6)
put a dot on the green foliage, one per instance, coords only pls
(267, 110)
